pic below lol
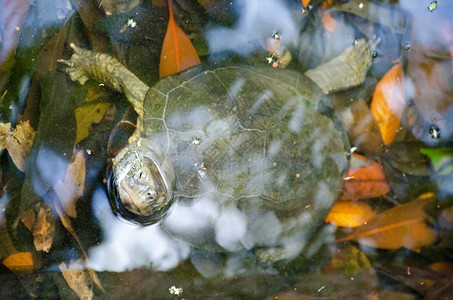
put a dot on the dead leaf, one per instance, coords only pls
(350, 214)
(87, 115)
(365, 179)
(78, 279)
(305, 3)
(28, 218)
(344, 71)
(361, 128)
(44, 229)
(20, 262)
(400, 226)
(178, 53)
(18, 142)
(6, 243)
(329, 22)
(4, 133)
(71, 189)
(441, 266)
(66, 221)
(387, 104)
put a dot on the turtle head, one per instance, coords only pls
(141, 184)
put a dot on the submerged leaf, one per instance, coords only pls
(305, 3)
(87, 115)
(78, 279)
(178, 53)
(364, 179)
(20, 262)
(66, 221)
(441, 158)
(44, 229)
(329, 22)
(387, 104)
(18, 142)
(350, 214)
(344, 71)
(4, 133)
(71, 189)
(401, 226)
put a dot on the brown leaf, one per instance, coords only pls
(87, 115)
(28, 218)
(44, 229)
(364, 179)
(350, 214)
(400, 226)
(6, 243)
(387, 104)
(178, 53)
(66, 221)
(19, 143)
(71, 189)
(20, 262)
(344, 71)
(362, 129)
(78, 279)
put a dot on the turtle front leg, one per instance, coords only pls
(85, 64)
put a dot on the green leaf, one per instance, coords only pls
(441, 158)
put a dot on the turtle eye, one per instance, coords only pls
(142, 175)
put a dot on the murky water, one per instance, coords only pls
(235, 229)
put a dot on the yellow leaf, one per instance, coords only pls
(350, 214)
(178, 53)
(400, 226)
(20, 262)
(4, 133)
(87, 115)
(71, 189)
(387, 104)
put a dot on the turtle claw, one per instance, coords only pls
(78, 67)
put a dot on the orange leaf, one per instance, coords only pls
(305, 3)
(400, 226)
(350, 214)
(178, 53)
(387, 104)
(364, 179)
(20, 262)
(329, 22)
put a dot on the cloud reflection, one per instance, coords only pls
(258, 19)
(127, 246)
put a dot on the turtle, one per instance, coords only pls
(226, 158)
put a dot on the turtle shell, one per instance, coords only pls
(253, 162)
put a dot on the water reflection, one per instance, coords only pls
(213, 234)
(127, 246)
(257, 20)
